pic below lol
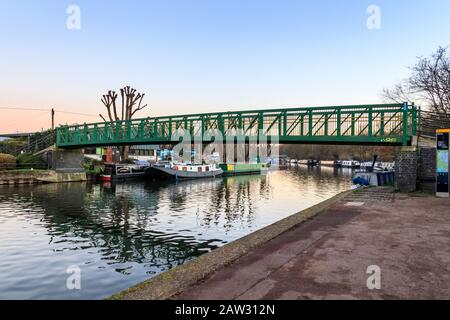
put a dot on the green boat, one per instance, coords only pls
(243, 168)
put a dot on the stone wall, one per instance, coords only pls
(39, 176)
(406, 160)
(68, 161)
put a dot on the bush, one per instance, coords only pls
(7, 161)
(28, 160)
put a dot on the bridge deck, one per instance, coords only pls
(388, 124)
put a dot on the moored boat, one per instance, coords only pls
(349, 164)
(244, 168)
(329, 163)
(123, 172)
(184, 171)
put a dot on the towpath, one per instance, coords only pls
(329, 257)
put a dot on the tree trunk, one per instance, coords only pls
(124, 151)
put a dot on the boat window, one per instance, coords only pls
(206, 169)
(200, 169)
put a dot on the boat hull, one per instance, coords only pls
(244, 169)
(163, 172)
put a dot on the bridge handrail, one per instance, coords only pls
(405, 114)
(230, 113)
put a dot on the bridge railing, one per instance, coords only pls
(390, 124)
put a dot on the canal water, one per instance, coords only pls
(117, 235)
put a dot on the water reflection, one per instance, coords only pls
(120, 234)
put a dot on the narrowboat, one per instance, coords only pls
(184, 171)
(115, 172)
(244, 168)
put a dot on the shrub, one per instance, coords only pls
(28, 160)
(7, 161)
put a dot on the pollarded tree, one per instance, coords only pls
(131, 102)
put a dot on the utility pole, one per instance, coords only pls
(53, 119)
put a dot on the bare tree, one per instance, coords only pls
(429, 83)
(131, 102)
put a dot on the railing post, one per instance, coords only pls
(370, 127)
(260, 122)
(310, 121)
(155, 128)
(338, 122)
(66, 133)
(96, 133)
(284, 123)
(405, 123)
(141, 129)
(414, 120)
(419, 120)
(57, 136)
(280, 125)
(221, 125)
(118, 129)
(202, 127)
(85, 133)
(302, 125)
(106, 133)
(382, 123)
(128, 124)
(353, 124)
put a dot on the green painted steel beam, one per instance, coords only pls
(385, 124)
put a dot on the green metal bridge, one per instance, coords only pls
(387, 124)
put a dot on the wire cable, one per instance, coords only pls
(49, 110)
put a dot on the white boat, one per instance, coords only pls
(349, 164)
(379, 165)
(185, 170)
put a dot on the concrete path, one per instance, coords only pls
(328, 256)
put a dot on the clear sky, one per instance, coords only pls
(206, 55)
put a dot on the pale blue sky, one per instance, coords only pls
(202, 56)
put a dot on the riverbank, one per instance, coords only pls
(327, 257)
(19, 177)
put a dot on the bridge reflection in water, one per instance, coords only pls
(121, 234)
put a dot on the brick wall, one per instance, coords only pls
(406, 170)
(427, 164)
(426, 171)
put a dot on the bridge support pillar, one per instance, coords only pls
(406, 165)
(426, 174)
(68, 161)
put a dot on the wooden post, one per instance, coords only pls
(53, 119)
